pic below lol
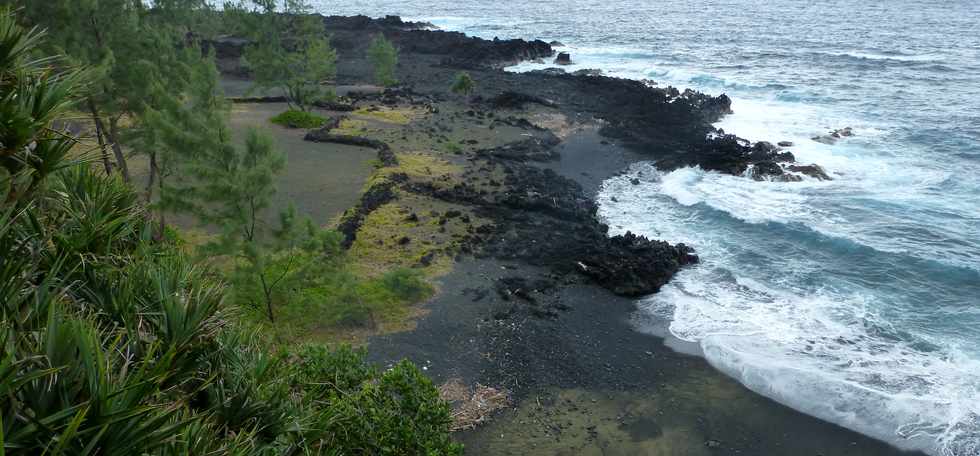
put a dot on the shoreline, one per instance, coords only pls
(570, 332)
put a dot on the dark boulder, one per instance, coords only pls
(563, 58)
(813, 170)
(832, 137)
(766, 170)
(763, 150)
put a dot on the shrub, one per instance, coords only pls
(463, 84)
(299, 119)
(329, 374)
(453, 147)
(396, 413)
(406, 285)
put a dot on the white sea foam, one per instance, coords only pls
(898, 57)
(823, 350)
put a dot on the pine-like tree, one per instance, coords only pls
(230, 189)
(384, 57)
(289, 51)
(180, 134)
(131, 49)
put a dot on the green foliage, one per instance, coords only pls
(135, 54)
(115, 343)
(33, 93)
(330, 374)
(230, 189)
(103, 332)
(319, 289)
(298, 119)
(289, 52)
(395, 412)
(453, 147)
(182, 133)
(384, 57)
(463, 84)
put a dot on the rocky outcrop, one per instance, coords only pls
(540, 149)
(770, 170)
(365, 23)
(632, 265)
(510, 99)
(347, 36)
(543, 219)
(730, 154)
(461, 51)
(727, 154)
(563, 58)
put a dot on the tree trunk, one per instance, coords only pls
(99, 129)
(163, 217)
(152, 177)
(117, 149)
(156, 177)
(268, 297)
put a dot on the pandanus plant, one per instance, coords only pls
(33, 93)
(103, 333)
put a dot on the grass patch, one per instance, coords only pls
(389, 115)
(352, 127)
(379, 240)
(298, 119)
(418, 166)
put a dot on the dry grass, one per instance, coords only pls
(472, 406)
(397, 116)
(352, 127)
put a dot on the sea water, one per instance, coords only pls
(856, 300)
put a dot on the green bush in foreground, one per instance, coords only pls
(299, 119)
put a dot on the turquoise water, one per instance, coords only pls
(855, 300)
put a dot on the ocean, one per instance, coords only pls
(856, 300)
